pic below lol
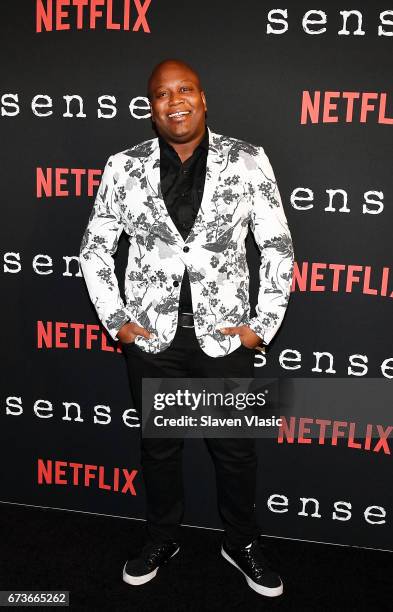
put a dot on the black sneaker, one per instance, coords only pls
(253, 564)
(143, 568)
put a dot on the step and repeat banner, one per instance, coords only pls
(311, 83)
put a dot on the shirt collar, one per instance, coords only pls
(204, 144)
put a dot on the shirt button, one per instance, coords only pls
(175, 283)
(186, 249)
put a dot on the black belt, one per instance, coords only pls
(185, 319)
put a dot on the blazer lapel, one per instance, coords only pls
(214, 163)
(153, 184)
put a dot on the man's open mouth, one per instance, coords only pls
(178, 114)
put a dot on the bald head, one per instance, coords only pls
(168, 66)
(177, 102)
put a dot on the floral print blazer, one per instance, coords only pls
(240, 192)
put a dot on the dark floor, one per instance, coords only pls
(85, 553)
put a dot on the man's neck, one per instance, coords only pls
(186, 149)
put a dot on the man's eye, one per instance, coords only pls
(185, 88)
(162, 93)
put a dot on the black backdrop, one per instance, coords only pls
(254, 82)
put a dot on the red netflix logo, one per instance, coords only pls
(356, 106)
(56, 14)
(341, 278)
(306, 430)
(64, 182)
(81, 475)
(64, 335)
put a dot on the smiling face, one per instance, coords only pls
(177, 102)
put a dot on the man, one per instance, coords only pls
(186, 199)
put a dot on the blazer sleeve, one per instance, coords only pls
(270, 228)
(99, 244)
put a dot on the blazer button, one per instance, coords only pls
(186, 249)
(175, 283)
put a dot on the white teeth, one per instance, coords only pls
(179, 113)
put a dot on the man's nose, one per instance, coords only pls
(175, 98)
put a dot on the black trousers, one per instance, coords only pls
(235, 460)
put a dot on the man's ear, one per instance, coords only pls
(204, 100)
(151, 111)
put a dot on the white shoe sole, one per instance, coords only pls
(137, 580)
(262, 590)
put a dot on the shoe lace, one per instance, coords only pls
(256, 558)
(153, 552)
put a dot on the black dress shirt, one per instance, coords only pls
(182, 186)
